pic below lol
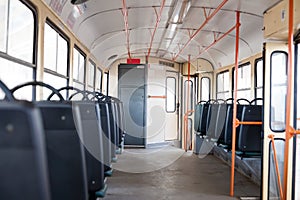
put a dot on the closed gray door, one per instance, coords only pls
(132, 93)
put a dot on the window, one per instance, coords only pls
(259, 78)
(78, 69)
(13, 74)
(98, 80)
(278, 90)
(170, 94)
(56, 53)
(273, 183)
(17, 42)
(17, 30)
(205, 89)
(105, 83)
(91, 76)
(223, 85)
(188, 96)
(244, 81)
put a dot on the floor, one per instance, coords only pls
(170, 173)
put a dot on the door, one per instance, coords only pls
(275, 64)
(188, 104)
(171, 106)
(296, 166)
(132, 94)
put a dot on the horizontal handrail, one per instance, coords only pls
(157, 97)
(238, 122)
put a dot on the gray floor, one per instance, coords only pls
(179, 175)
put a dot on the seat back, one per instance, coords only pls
(92, 140)
(250, 135)
(203, 119)
(197, 116)
(228, 123)
(105, 127)
(212, 120)
(65, 152)
(23, 164)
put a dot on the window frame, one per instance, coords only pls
(33, 64)
(77, 81)
(11, 58)
(175, 95)
(91, 62)
(233, 77)
(107, 82)
(101, 76)
(67, 39)
(224, 91)
(209, 87)
(257, 60)
(271, 90)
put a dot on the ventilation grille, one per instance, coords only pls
(169, 64)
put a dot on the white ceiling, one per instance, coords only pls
(99, 24)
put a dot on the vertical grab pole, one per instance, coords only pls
(234, 103)
(187, 104)
(288, 135)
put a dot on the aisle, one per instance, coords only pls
(187, 177)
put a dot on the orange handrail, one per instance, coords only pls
(276, 166)
(187, 105)
(186, 127)
(238, 122)
(293, 131)
(207, 19)
(237, 37)
(288, 96)
(125, 16)
(157, 97)
(158, 18)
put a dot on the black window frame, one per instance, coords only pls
(84, 75)
(255, 76)
(209, 87)
(64, 36)
(33, 64)
(233, 77)
(225, 91)
(270, 106)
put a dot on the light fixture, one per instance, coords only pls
(75, 2)
(181, 8)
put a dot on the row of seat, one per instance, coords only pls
(58, 149)
(214, 121)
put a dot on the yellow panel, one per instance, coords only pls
(276, 20)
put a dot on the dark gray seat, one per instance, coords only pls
(66, 159)
(250, 138)
(23, 164)
(92, 140)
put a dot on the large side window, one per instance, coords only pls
(259, 78)
(278, 90)
(56, 50)
(244, 81)
(205, 89)
(91, 76)
(223, 85)
(17, 45)
(78, 68)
